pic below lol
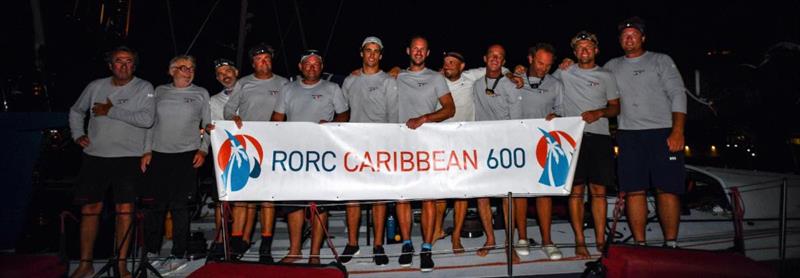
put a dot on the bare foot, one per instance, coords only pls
(514, 258)
(457, 247)
(580, 251)
(123, 268)
(601, 246)
(483, 251)
(313, 260)
(85, 269)
(291, 258)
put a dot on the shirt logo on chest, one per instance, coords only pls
(122, 101)
(638, 72)
(593, 84)
(316, 97)
(372, 89)
(188, 100)
(274, 92)
(420, 84)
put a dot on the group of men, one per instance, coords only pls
(140, 135)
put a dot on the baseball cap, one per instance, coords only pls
(372, 39)
(454, 55)
(309, 53)
(260, 49)
(221, 62)
(581, 36)
(633, 22)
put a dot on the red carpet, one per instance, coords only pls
(235, 270)
(32, 266)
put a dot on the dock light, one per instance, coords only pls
(714, 152)
(616, 150)
(687, 151)
(748, 150)
(735, 145)
(727, 145)
(753, 154)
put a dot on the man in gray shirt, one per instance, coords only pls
(651, 131)
(541, 98)
(590, 92)
(122, 108)
(372, 97)
(253, 99)
(497, 98)
(420, 91)
(174, 150)
(309, 99)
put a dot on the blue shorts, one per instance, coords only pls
(645, 162)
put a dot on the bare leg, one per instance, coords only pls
(239, 213)
(404, 219)
(379, 220)
(218, 221)
(544, 211)
(438, 232)
(485, 213)
(317, 236)
(669, 214)
(267, 219)
(123, 237)
(89, 220)
(353, 222)
(576, 218)
(428, 218)
(459, 213)
(599, 210)
(295, 219)
(636, 203)
(521, 217)
(249, 222)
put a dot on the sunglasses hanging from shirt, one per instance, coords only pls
(490, 92)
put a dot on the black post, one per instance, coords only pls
(369, 223)
(242, 30)
(510, 235)
(782, 235)
(224, 227)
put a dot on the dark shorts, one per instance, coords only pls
(97, 174)
(170, 178)
(645, 161)
(596, 160)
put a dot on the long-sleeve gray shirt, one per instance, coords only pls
(180, 112)
(543, 100)
(651, 89)
(503, 104)
(122, 132)
(254, 98)
(372, 98)
(587, 90)
(311, 103)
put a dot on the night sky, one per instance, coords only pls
(688, 31)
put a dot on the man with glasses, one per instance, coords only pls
(421, 91)
(650, 133)
(122, 108)
(253, 99)
(174, 150)
(309, 99)
(372, 97)
(591, 93)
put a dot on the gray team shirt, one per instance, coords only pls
(419, 92)
(311, 103)
(372, 98)
(651, 88)
(180, 112)
(505, 104)
(538, 102)
(254, 98)
(586, 90)
(122, 132)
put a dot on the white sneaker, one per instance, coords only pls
(171, 264)
(552, 252)
(522, 247)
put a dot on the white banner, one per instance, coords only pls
(271, 161)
